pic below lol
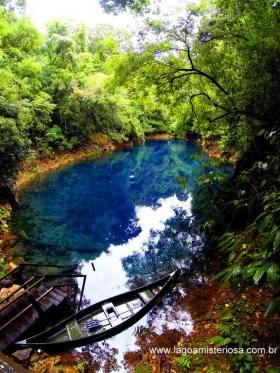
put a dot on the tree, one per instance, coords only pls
(119, 5)
(11, 5)
(214, 57)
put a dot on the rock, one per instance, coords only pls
(70, 370)
(22, 355)
(109, 147)
(14, 288)
(12, 266)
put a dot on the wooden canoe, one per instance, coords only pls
(103, 319)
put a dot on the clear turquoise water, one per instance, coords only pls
(130, 212)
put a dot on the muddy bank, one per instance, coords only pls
(212, 149)
(34, 167)
(221, 318)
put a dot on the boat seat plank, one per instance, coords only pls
(73, 330)
(146, 296)
(135, 306)
(124, 311)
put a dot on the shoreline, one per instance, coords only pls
(35, 168)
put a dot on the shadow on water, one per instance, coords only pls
(132, 212)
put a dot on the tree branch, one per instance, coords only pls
(219, 117)
(190, 58)
(194, 71)
(227, 112)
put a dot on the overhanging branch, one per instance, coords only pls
(216, 105)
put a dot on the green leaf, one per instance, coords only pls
(273, 274)
(228, 273)
(273, 308)
(236, 270)
(276, 242)
(184, 361)
(267, 222)
(262, 132)
(220, 341)
(259, 274)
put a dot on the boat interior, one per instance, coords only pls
(107, 316)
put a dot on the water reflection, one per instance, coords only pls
(132, 260)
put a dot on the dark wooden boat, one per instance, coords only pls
(103, 319)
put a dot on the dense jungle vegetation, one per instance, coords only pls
(213, 73)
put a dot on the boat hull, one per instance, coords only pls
(40, 340)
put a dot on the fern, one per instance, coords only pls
(220, 341)
(184, 361)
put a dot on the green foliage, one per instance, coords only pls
(57, 91)
(184, 361)
(142, 368)
(118, 5)
(80, 366)
(273, 308)
(3, 267)
(220, 341)
(4, 220)
(243, 363)
(258, 260)
(3, 214)
(232, 334)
